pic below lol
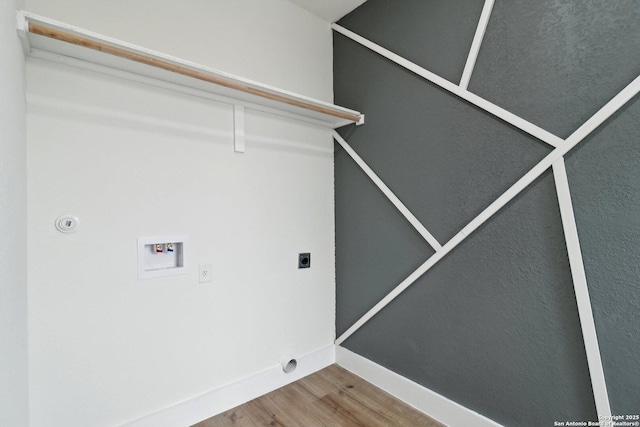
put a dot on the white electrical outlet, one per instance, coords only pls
(205, 272)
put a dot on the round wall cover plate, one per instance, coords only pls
(67, 224)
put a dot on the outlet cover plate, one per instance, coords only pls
(205, 272)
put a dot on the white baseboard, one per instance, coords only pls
(222, 399)
(431, 403)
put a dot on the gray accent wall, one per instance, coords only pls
(438, 38)
(556, 62)
(604, 175)
(445, 159)
(494, 326)
(375, 247)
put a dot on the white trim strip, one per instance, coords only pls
(477, 42)
(609, 109)
(387, 192)
(200, 408)
(582, 132)
(589, 334)
(499, 112)
(421, 398)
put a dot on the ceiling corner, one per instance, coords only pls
(329, 10)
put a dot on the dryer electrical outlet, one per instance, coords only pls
(304, 260)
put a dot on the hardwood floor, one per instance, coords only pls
(330, 397)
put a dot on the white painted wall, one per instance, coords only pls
(131, 160)
(14, 409)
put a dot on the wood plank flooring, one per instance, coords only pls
(331, 397)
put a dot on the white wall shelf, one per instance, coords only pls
(40, 34)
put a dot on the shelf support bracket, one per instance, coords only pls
(23, 28)
(238, 128)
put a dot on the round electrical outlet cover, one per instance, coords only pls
(67, 224)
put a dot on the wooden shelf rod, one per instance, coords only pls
(63, 36)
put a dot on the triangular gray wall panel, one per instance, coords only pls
(494, 326)
(438, 40)
(555, 63)
(604, 176)
(376, 247)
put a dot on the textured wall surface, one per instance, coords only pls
(604, 175)
(445, 159)
(556, 62)
(494, 326)
(436, 36)
(375, 247)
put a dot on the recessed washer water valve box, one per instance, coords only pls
(161, 256)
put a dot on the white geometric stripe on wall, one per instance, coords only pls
(554, 159)
(474, 99)
(483, 22)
